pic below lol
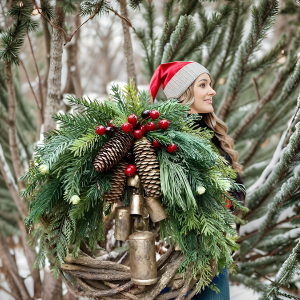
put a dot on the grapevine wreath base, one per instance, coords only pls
(89, 277)
(161, 177)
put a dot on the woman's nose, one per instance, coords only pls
(211, 92)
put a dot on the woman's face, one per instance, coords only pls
(203, 94)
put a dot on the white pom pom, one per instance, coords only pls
(75, 199)
(44, 169)
(201, 190)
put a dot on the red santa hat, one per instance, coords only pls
(175, 77)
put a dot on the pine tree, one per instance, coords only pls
(257, 98)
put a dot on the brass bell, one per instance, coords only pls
(123, 223)
(142, 258)
(141, 224)
(134, 181)
(155, 209)
(136, 202)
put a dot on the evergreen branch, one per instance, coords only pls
(286, 192)
(235, 31)
(260, 105)
(161, 45)
(257, 197)
(180, 34)
(285, 273)
(134, 4)
(209, 27)
(269, 58)
(250, 234)
(263, 18)
(289, 87)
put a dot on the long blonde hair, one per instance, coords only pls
(218, 126)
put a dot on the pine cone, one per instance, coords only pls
(113, 151)
(148, 167)
(117, 182)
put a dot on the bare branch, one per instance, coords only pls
(10, 293)
(34, 95)
(256, 89)
(250, 117)
(123, 18)
(11, 186)
(42, 108)
(12, 120)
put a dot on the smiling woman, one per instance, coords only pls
(191, 84)
(200, 99)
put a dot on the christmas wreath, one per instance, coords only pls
(81, 169)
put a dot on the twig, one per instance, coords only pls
(59, 28)
(256, 89)
(5, 120)
(252, 115)
(40, 80)
(245, 237)
(10, 293)
(34, 95)
(122, 17)
(186, 285)
(69, 38)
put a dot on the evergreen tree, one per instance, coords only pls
(257, 98)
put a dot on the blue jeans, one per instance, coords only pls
(223, 285)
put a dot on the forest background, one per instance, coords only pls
(252, 51)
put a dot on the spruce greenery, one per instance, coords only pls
(200, 224)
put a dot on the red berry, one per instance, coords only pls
(163, 124)
(172, 148)
(111, 124)
(228, 203)
(100, 130)
(154, 114)
(138, 134)
(155, 143)
(143, 129)
(132, 119)
(130, 170)
(127, 127)
(150, 126)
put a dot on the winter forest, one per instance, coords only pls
(60, 60)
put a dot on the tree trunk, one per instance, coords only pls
(15, 281)
(14, 151)
(48, 46)
(127, 43)
(73, 84)
(52, 287)
(54, 79)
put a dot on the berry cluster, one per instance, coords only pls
(139, 129)
(101, 130)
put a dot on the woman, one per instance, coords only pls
(191, 84)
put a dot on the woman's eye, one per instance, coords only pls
(202, 85)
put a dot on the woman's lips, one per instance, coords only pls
(209, 101)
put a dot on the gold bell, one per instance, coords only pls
(136, 202)
(141, 224)
(123, 223)
(134, 181)
(142, 258)
(155, 209)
